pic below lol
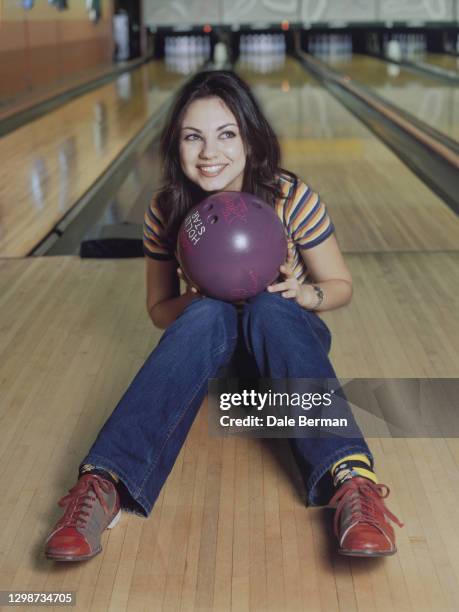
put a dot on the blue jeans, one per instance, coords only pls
(142, 438)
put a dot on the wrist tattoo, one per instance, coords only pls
(320, 297)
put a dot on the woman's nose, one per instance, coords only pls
(209, 149)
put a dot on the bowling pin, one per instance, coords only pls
(220, 55)
(394, 50)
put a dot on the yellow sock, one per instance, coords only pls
(87, 467)
(357, 464)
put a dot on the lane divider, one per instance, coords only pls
(449, 153)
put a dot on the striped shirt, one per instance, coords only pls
(303, 215)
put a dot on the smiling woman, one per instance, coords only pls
(217, 139)
(212, 152)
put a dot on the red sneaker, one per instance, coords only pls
(360, 519)
(92, 506)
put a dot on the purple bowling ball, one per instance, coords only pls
(231, 245)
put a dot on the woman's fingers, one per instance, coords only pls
(189, 284)
(291, 293)
(286, 270)
(182, 276)
(284, 286)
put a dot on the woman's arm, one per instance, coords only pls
(164, 302)
(328, 270)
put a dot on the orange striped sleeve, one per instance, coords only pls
(154, 244)
(307, 218)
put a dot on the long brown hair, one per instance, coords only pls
(262, 168)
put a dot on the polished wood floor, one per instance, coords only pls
(230, 530)
(433, 101)
(50, 163)
(24, 101)
(449, 62)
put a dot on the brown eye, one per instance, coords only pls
(228, 134)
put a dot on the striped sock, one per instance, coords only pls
(350, 466)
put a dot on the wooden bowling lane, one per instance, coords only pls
(48, 164)
(376, 202)
(429, 99)
(229, 529)
(442, 60)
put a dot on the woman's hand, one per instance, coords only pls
(190, 287)
(291, 288)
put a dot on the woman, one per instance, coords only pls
(217, 139)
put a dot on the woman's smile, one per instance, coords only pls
(211, 170)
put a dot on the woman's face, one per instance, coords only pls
(212, 153)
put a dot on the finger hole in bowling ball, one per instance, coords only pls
(208, 206)
(257, 205)
(212, 219)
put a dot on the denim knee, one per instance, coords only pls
(205, 317)
(271, 308)
(286, 320)
(265, 305)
